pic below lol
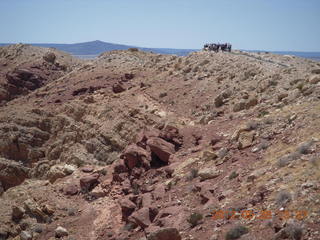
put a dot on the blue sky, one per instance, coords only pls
(247, 24)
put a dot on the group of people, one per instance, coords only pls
(216, 46)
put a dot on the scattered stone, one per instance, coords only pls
(61, 232)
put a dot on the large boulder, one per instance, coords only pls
(23, 79)
(245, 139)
(59, 171)
(12, 173)
(135, 156)
(161, 148)
(143, 217)
(87, 183)
(208, 173)
(127, 208)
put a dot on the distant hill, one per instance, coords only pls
(95, 48)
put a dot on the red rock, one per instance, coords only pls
(171, 134)
(118, 88)
(159, 191)
(87, 183)
(147, 200)
(161, 148)
(143, 136)
(71, 189)
(135, 156)
(128, 76)
(120, 167)
(127, 208)
(143, 217)
(87, 169)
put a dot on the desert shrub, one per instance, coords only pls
(194, 219)
(233, 175)
(268, 120)
(129, 226)
(314, 160)
(161, 95)
(286, 159)
(72, 211)
(133, 49)
(252, 125)
(294, 231)
(236, 232)
(192, 174)
(263, 145)
(304, 148)
(300, 86)
(49, 57)
(263, 113)
(283, 198)
(38, 228)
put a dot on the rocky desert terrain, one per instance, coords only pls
(140, 146)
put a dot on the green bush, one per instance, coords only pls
(194, 219)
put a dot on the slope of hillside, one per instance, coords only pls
(138, 145)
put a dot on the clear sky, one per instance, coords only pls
(247, 24)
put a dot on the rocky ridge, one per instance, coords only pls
(136, 145)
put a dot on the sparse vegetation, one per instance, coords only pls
(236, 232)
(133, 49)
(304, 148)
(283, 198)
(314, 160)
(286, 159)
(192, 174)
(129, 226)
(263, 113)
(233, 175)
(300, 86)
(294, 231)
(194, 219)
(72, 211)
(252, 125)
